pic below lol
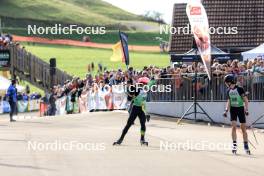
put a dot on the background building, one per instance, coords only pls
(246, 15)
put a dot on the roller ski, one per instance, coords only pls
(119, 142)
(246, 148)
(143, 143)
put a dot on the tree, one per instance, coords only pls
(154, 16)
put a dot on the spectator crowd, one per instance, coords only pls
(5, 40)
(98, 78)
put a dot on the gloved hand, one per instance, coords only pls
(246, 113)
(225, 114)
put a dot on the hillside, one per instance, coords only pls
(16, 15)
(86, 12)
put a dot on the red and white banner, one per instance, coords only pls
(200, 29)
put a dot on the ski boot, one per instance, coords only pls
(234, 148)
(247, 148)
(119, 142)
(143, 142)
(148, 118)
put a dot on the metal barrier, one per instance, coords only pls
(183, 88)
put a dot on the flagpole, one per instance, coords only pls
(0, 25)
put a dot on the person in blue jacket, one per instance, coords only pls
(12, 99)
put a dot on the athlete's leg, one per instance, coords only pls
(130, 122)
(142, 119)
(234, 127)
(234, 136)
(244, 131)
(233, 116)
(242, 119)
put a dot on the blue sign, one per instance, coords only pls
(4, 59)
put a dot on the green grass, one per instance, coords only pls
(74, 60)
(16, 15)
(67, 11)
(32, 87)
(20, 13)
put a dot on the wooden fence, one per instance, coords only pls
(30, 68)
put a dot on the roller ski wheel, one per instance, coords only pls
(144, 143)
(234, 150)
(248, 152)
(117, 143)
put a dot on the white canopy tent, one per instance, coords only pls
(254, 53)
(5, 83)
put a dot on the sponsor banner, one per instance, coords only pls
(200, 28)
(96, 99)
(33, 105)
(22, 106)
(102, 100)
(43, 109)
(6, 107)
(4, 59)
(69, 104)
(83, 102)
(61, 106)
(76, 106)
(1, 107)
(119, 97)
(109, 101)
(92, 100)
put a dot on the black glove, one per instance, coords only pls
(246, 113)
(225, 113)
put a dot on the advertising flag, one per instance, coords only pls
(200, 29)
(124, 42)
(117, 52)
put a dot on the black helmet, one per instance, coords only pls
(13, 81)
(230, 79)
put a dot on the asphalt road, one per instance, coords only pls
(81, 145)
